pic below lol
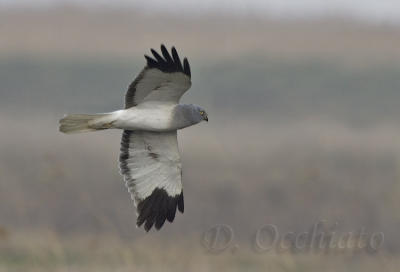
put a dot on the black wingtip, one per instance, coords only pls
(166, 54)
(169, 63)
(151, 63)
(181, 206)
(186, 67)
(176, 58)
(158, 57)
(155, 209)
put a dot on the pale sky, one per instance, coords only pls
(375, 11)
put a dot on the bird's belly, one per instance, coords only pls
(145, 119)
(149, 124)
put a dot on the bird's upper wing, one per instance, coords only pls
(150, 164)
(164, 79)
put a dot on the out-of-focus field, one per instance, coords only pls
(303, 127)
(91, 253)
(125, 33)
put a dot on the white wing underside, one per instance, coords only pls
(153, 162)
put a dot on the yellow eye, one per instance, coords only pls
(201, 112)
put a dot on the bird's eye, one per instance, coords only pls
(201, 112)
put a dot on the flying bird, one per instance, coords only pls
(149, 160)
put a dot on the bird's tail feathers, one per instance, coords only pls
(77, 123)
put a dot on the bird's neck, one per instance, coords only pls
(186, 115)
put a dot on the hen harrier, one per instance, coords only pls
(149, 159)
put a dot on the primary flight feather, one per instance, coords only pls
(149, 159)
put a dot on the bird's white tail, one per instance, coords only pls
(77, 123)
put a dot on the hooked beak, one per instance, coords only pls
(205, 118)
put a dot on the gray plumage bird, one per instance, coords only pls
(149, 159)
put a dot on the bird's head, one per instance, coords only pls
(202, 113)
(193, 113)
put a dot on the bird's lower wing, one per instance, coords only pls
(150, 164)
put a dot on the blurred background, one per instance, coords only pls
(303, 101)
